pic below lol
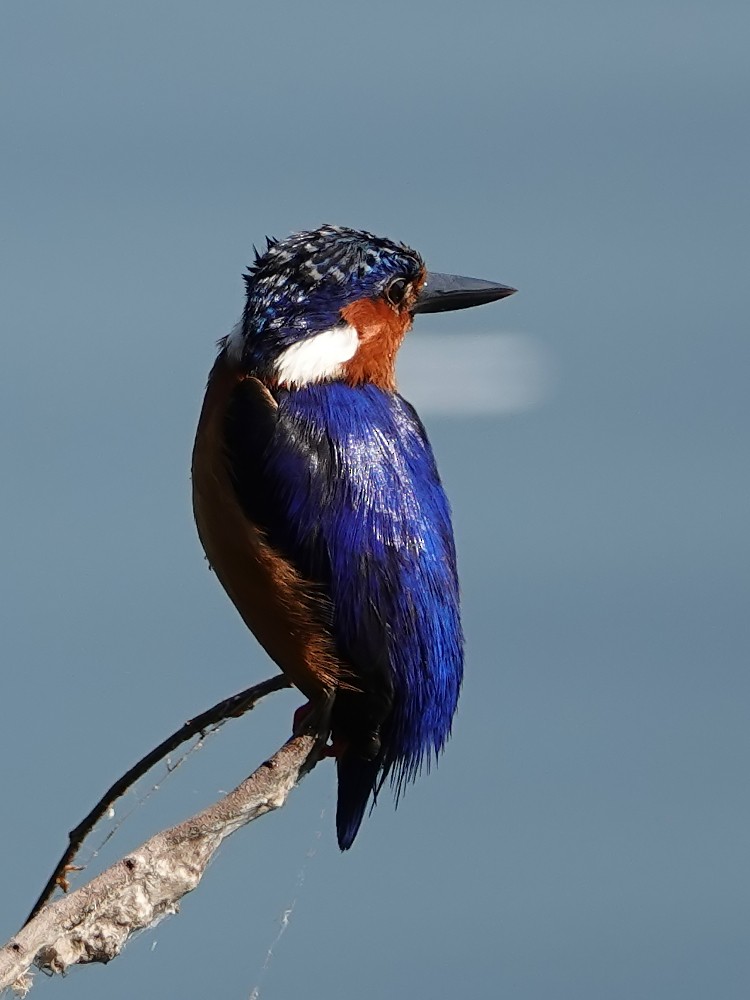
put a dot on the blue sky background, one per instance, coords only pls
(586, 834)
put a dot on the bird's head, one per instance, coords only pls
(336, 303)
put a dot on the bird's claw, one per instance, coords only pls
(314, 717)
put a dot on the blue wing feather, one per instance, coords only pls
(345, 485)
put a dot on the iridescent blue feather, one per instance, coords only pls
(351, 495)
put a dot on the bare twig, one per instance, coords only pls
(93, 923)
(232, 707)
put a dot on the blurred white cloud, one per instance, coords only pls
(475, 373)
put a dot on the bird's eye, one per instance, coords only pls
(396, 291)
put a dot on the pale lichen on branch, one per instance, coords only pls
(93, 923)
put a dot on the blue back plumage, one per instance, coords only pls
(353, 498)
(378, 531)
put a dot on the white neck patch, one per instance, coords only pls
(319, 357)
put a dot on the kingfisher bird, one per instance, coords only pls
(319, 505)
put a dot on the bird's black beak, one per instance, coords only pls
(442, 292)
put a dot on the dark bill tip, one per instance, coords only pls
(442, 292)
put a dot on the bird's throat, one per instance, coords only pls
(381, 329)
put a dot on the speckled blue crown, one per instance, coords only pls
(300, 285)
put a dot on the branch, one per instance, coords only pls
(93, 923)
(232, 707)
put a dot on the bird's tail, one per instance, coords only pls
(358, 780)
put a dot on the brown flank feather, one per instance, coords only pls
(277, 604)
